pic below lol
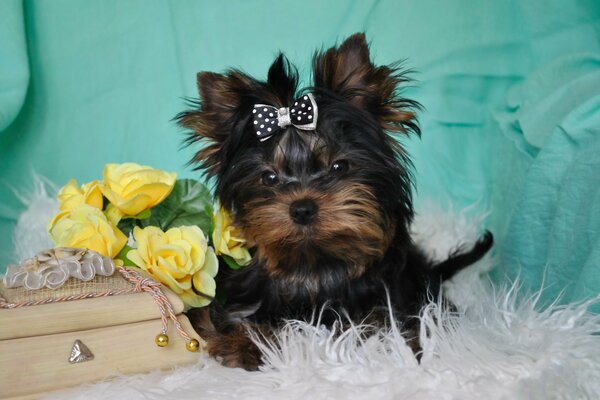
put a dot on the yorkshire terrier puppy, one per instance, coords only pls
(321, 191)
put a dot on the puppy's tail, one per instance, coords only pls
(460, 258)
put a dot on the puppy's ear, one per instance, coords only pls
(347, 70)
(282, 81)
(223, 99)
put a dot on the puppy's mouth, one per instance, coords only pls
(308, 230)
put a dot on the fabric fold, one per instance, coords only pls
(14, 65)
(554, 229)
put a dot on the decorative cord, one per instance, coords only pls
(145, 284)
(6, 304)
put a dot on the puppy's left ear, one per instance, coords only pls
(223, 100)
(347, 70)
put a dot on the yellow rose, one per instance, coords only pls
(133, 188)
(228, 239)
(86, 227)
(178, 257)
(71, 195)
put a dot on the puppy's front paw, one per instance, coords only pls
(235, 350)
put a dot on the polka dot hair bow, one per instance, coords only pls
(268, 120)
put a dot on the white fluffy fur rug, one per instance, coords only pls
(500, 345)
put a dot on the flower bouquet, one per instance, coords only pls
(147, 218)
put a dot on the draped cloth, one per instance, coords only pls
(510, 91)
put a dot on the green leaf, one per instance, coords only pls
(230, 262)
(126, 226)
(190, 203)
(143, 215)
(127, 223)
(123, 256)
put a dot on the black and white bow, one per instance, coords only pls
(268, 120)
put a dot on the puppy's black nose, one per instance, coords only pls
(303, 211)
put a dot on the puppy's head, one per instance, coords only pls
(306, 199)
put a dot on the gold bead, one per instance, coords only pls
(193, 345)
(161, 340)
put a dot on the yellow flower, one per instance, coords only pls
(178, 257)
(86, 227)
(228, 239)
(71, 195)
(113, 214)
(133, 188)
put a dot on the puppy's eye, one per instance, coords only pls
(270, 178)
(339, 167)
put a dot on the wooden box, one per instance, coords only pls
(38, 342)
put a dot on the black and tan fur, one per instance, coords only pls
(350, 180)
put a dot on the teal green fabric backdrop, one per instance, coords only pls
(511, 91)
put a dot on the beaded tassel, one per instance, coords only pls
(146, 284)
